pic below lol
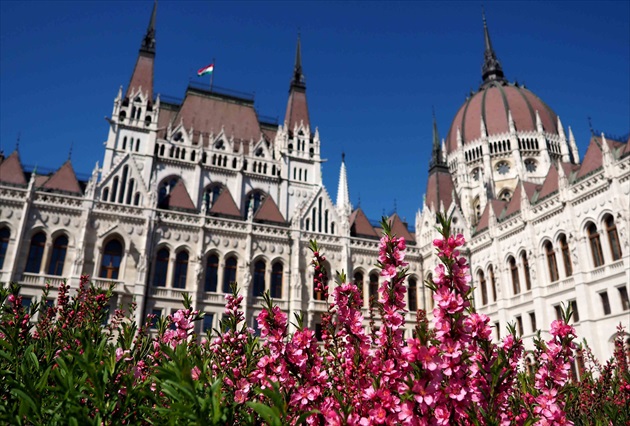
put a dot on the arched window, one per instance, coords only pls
(596, 247)
(613, 237)
(136, 199)
(5, 236)
(259, 278)
(516, 284)
(35, 253)
(484, 288)
(551, 262)
(229, 274)
(212, 273)
(566, 256)
(493, 283)
(255, 199)
(58, 256)
(124, 143)
(211, 195)
(412, 295)
(276, 280)
(161, 268)
(164, 191)
(110, 263)
(181, 270)
(374, 285)
(358, 281)
(505, 195)
(528, 280)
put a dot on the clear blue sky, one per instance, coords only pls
(373, 72)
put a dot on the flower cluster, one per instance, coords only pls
(61, 361)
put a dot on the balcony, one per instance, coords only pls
(169, 293)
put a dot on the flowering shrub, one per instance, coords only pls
(66, 368)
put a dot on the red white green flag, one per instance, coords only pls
(206, 70)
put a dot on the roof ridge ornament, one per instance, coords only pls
(491, 69)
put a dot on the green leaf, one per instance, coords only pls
(267, 413)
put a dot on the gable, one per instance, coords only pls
(360, 225)
(225, 205)
(319, 214)
(129, 164)
(269, 212)
(11, 171)
(64, 180)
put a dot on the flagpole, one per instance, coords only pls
(212, 75)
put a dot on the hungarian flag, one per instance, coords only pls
(206, 70)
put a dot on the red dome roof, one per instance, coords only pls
(492, 103)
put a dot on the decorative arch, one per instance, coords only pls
(160, 270)
(255, 197)
(211, 279)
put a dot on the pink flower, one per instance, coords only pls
(195, 372)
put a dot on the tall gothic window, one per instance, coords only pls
(259, 278)
(484, 288)
(276, 280)
(596, 247)
(493, 283)
(358, 281)
(58, 256)
(161, 268)
(412, 294)
(181, 269)
(566, 255)
(110, 263)
(516, 284)
(229, 274)
(212, 273)
(613, 238)
(5, 236)
(551, 262)
(528, 279)
(374, 285)
(35, 253)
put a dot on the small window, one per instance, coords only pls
(516, 285)
(519, 325)
(493, 283)
(558, 311)
(532, 321)
(497, 326)
(358, 281)
(58, 256)
(576, 313)
(551, 262)
(259, 278)
(212, 273)
(161, 268)
(566, 256)
(276, 280)
(505, 195)
(413, 295)
(476, 174)
(623, 295)
(229, 274)
(157, 314)
(5, 237)
(181, 269)
(605, 302)
(112, 257)
(208, 320)
(613, 238)
(35, 253)
(528, 280)
(596, 247)
(484, 288)
(374, 285)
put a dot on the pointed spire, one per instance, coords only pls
(574, 149)
(142, 77)
(343, 193)
(539, 126)
(436, 154)
(148, 42)
(298, 76)
(297, 107)
(491, 69)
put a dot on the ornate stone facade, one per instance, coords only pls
(192, 194)
(544, 227)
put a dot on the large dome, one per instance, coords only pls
(492, 103)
